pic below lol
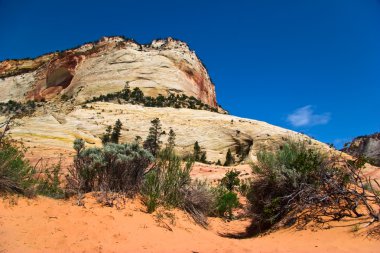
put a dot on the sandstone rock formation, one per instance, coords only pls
(68, 79)
(368, 146)
(162, 67)
(52, 133)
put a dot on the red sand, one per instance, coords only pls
(48, 225)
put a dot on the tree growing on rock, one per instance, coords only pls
(112, 134)
(171, 139)
(197, 151)
(153, 142)
(116, 132)
(199, 155)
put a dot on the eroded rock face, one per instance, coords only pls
(368, 146)
(162, 67)
(51, 134)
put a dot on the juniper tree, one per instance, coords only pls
(137, 95)
(171, 139)
(203, 158)
(153, 142)
(115, 135)
(197, 151)
(107, 135)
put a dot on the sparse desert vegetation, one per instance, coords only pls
(136, 96)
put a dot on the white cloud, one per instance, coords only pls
(305, 116)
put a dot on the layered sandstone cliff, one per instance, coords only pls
(106, 66)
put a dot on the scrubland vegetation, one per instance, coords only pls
(294, 184)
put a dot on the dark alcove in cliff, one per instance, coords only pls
(59, 77)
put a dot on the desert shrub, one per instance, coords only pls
(300, 183)
(114, 167)
(167, 179)
(231, 179)
(16, 174)
(151, 190)
(226, 202)
(169, 184)
(199, 200)
(245, 186)
(49, 182)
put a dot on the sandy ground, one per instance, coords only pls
(214, 173)
(48, 225)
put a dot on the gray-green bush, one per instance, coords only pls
(114, 167)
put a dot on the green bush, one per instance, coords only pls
(50, 184)
(114, 167)
(231, 180)
(298, 181)
(169, 184)
(16, 174)
(167, 179)
(226, 202)
(151, 191)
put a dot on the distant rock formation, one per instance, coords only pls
(368, 146)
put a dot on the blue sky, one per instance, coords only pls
(311, 66)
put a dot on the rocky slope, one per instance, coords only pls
(67, 80)
(50, 133)
(368, 146)
(162, 67)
